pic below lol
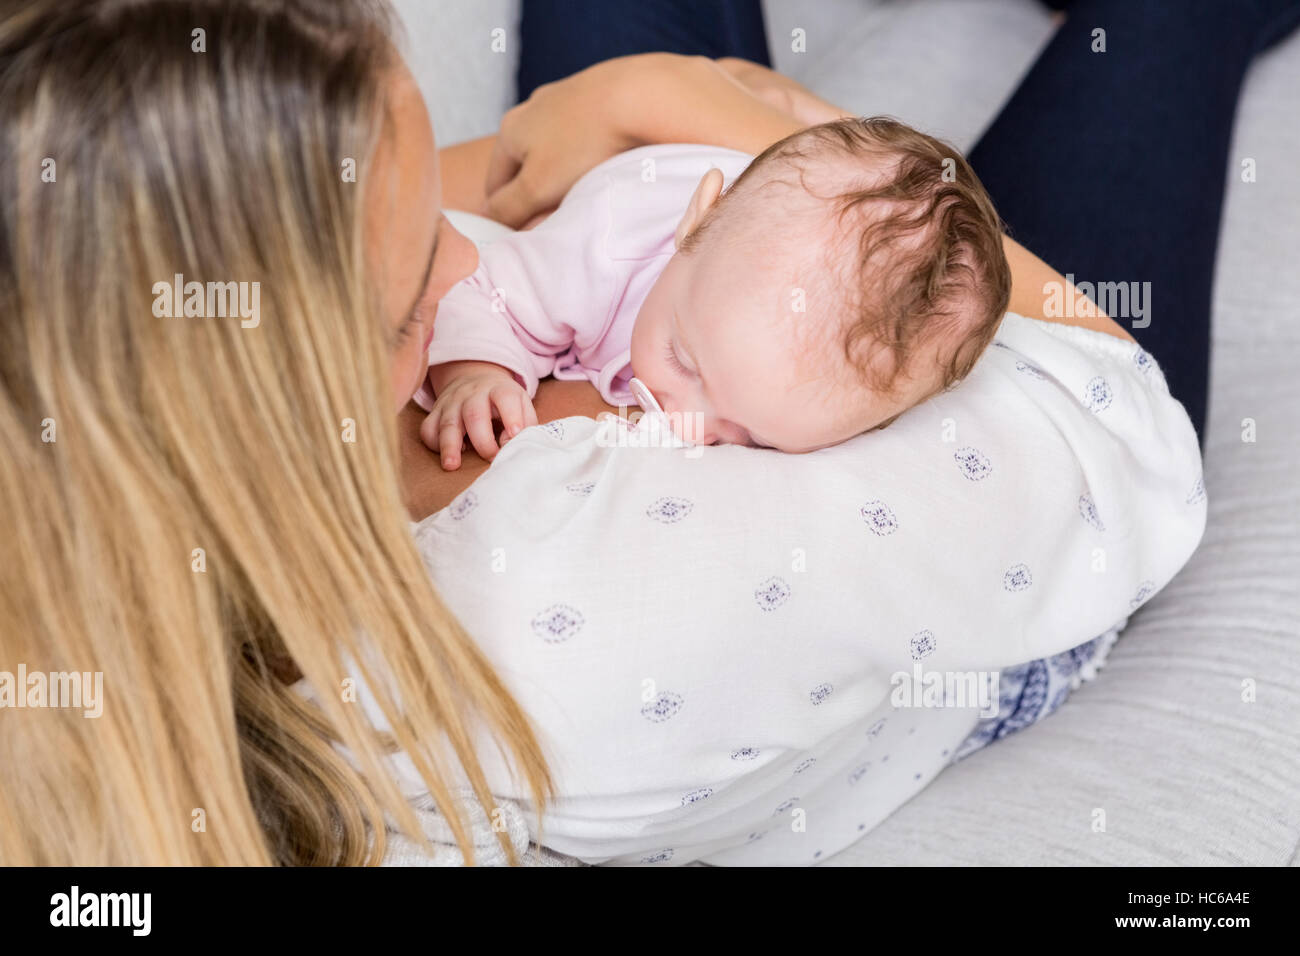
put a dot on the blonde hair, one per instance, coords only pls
(172, 435)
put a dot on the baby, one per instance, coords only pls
(850, 271)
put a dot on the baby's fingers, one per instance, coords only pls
(477, 416)
(429, 431)
(441, 432)
(514, 407)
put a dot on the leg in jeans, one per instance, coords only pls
(1111, 166)
(561, 37)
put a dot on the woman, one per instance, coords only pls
(204, 508)
(206, 500)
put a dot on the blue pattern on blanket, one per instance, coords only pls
(1029, 692)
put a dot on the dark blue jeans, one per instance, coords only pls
(1110, 166)
(561, 37)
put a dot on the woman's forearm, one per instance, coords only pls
(1034, 283)
(464, 167)
(690, 99)
(666, 98)
(545, 144)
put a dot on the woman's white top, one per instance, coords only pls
(745, 657)
(739, 656)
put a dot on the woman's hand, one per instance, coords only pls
(562, 130)
(565, 128)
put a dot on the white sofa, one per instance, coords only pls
(1165, 747)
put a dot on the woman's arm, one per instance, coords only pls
(565, 128)
(1031, 280)
(464, 166)
(665, 98)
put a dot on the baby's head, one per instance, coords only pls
(852, 271)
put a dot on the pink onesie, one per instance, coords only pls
(561, 299)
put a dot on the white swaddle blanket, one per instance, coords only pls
(711, 647)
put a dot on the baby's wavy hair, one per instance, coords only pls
(929, 262)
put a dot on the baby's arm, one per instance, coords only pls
(501, 330)
(496, 315)
(479, 370)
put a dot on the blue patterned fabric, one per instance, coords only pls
(1030, 692)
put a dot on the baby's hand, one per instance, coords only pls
(470, 396)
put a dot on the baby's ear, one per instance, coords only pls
(706, 195)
